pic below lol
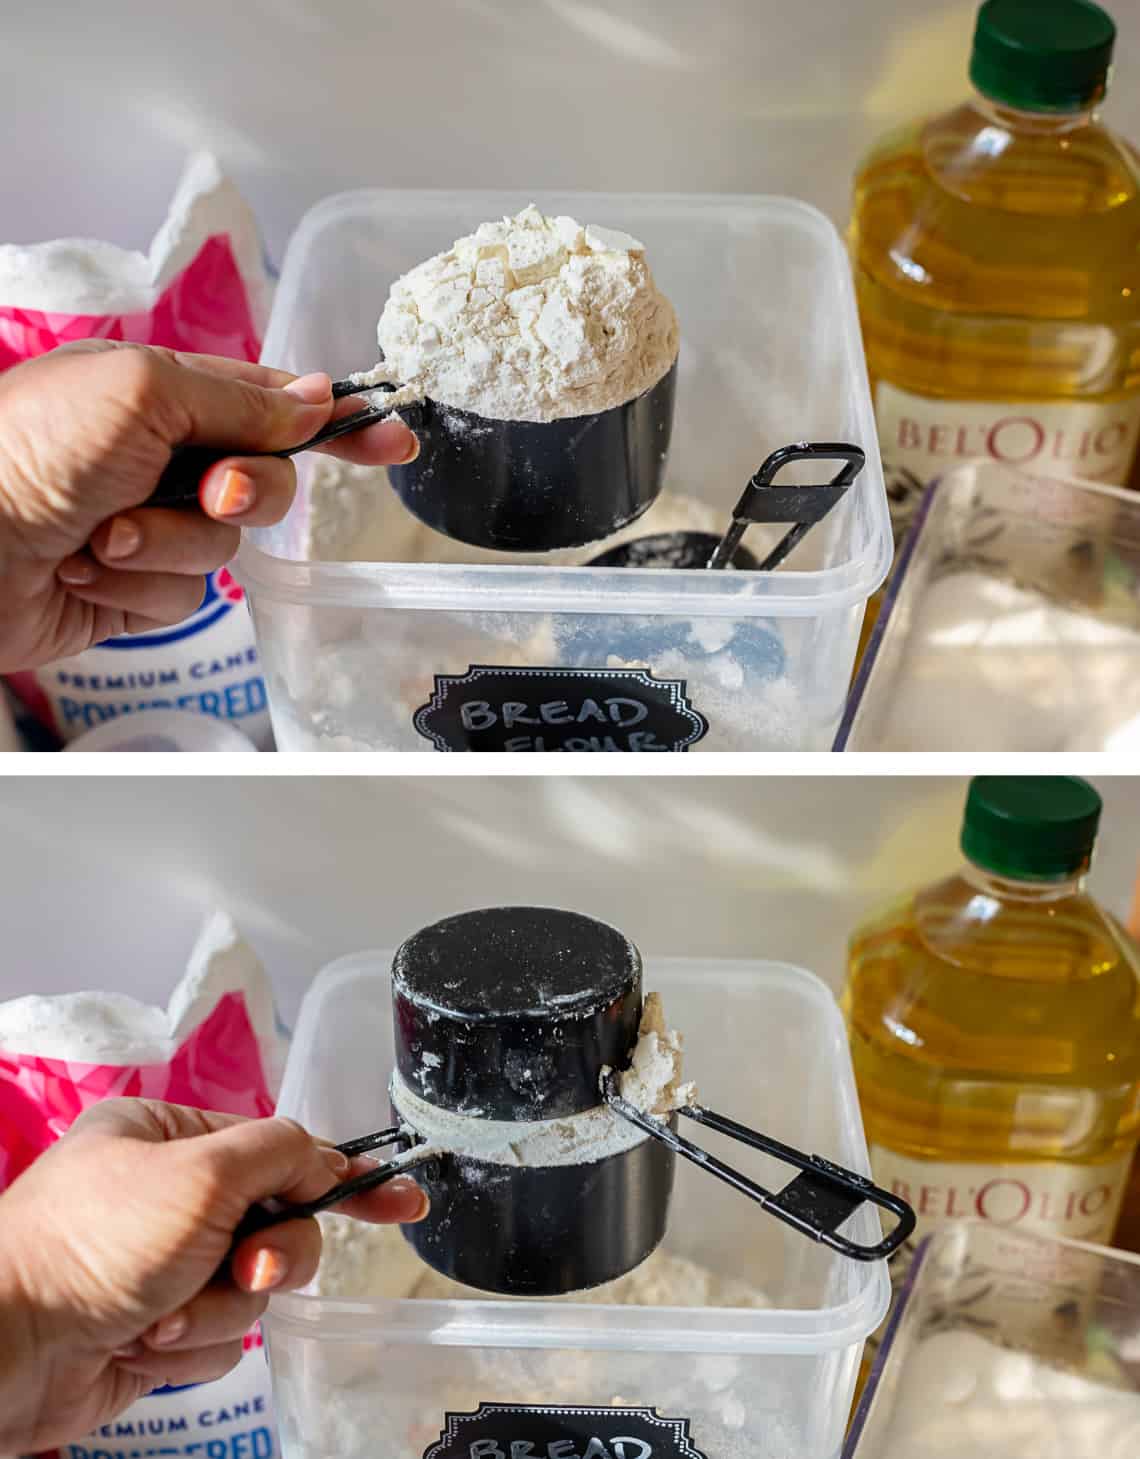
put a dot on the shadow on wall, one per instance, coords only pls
(314, 868)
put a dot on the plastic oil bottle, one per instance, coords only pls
(996, 251)
(994, 1025)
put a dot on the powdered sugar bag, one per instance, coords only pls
(216, 1045)
(202, 287)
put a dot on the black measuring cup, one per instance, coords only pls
(522, 1016)
(536, 486)
(761, 502)
(507, 485)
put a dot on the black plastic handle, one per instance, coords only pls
(178, 485)
(273, 1212)
(761, 501)
(816, 1203)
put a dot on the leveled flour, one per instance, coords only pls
(529, 318)
(652, 1083)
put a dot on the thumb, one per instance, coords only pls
(252, 1160)
(213, 410)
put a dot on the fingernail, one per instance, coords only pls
(312, 389)
(236, 494)
(123, 538)
(77, 571)
(132, 1350)
(405, 1188)
(413, 450)
(169, 1330)
(269, 1270)
(336, 1160)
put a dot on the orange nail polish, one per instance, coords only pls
(269, 1270)
(236, 494)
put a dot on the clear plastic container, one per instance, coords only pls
(1004, 1345)
(1012, 622)
(770, 355)
(766, 1042)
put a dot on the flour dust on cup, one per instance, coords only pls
(514, 1028)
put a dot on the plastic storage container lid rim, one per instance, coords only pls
(443, 1323)
(754, 1329)
(395, 585)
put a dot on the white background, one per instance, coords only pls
(105, 881)
(300, 98)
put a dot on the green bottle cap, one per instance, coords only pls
(1030, 827)
(1042, 55)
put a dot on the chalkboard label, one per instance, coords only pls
(510, 1431)
(520, 710)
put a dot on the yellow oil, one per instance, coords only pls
(996, 1023)
(997, 259)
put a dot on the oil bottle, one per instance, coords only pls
(994, 1025)
(996, 251)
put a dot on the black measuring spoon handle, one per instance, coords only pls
(816, 1203)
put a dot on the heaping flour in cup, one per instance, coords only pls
(529, 318)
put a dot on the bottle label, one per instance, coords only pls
(921, 437)
(1079, 1202)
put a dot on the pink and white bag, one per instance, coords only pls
(202, 287)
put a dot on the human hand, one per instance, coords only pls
(113, 1247)
(85, 432)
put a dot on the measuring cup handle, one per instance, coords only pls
(179, 483)
(815, 1203)
(802, 506)
(272, 1212)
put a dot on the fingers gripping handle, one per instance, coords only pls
(179, 483)
(272, 1212)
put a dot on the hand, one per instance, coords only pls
(112, 1253)
(85, 432)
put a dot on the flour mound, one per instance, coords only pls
(653, 1080)
(529, 318)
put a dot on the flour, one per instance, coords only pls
(989, 665)
(529, 318)
(652, 1084)
(962, 1397)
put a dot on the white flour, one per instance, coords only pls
(962, 1397)
(530, 318)
(652, 1084)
